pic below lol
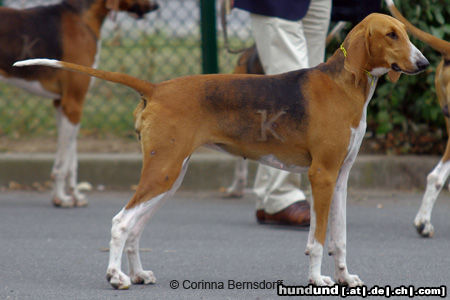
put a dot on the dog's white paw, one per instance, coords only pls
(424, 228)
(118, 279)
(345, 278)
(79, 199)
(143, 277)
(63, 201)
(321, 280)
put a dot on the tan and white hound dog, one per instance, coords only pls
(311, 118)
(437, 178)
(67, 31)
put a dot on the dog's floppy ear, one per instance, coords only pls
(393, 76)
(357, 52)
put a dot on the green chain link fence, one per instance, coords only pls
(165, 44)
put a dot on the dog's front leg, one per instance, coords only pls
(323, 179)
(338, 230)
(67, 134)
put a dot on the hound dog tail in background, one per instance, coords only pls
(311, 128)
(141, 86)
(438, 177)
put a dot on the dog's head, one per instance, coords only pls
(137, 7)
(379, 45)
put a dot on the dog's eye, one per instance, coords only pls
(392, 35)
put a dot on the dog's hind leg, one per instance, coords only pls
(126, 230)
(163, 169)
(435, 181)
(137, 273)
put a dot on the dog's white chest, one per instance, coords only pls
(32, 86)
(357, 134)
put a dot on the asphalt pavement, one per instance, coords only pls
(202, 242)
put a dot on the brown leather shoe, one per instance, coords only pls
(296, 214)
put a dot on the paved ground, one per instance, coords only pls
(48, 253)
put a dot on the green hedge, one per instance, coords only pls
(410, 106)
(406, 117)
(414, 97)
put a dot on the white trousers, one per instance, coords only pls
(285, 46)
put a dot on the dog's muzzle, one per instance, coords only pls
(420, 65)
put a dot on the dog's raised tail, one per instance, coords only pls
(434, 42)
(142, 86)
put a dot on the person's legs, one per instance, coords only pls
(282, 47)
(315, 28)
(281, 44)
(276, 189)
(286, 46)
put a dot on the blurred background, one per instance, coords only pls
(404, 118)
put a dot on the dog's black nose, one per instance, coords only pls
(422, 64)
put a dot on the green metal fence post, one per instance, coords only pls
(209, 37)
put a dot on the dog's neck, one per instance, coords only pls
(335, 68)
(79, 6)
(92, 12)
